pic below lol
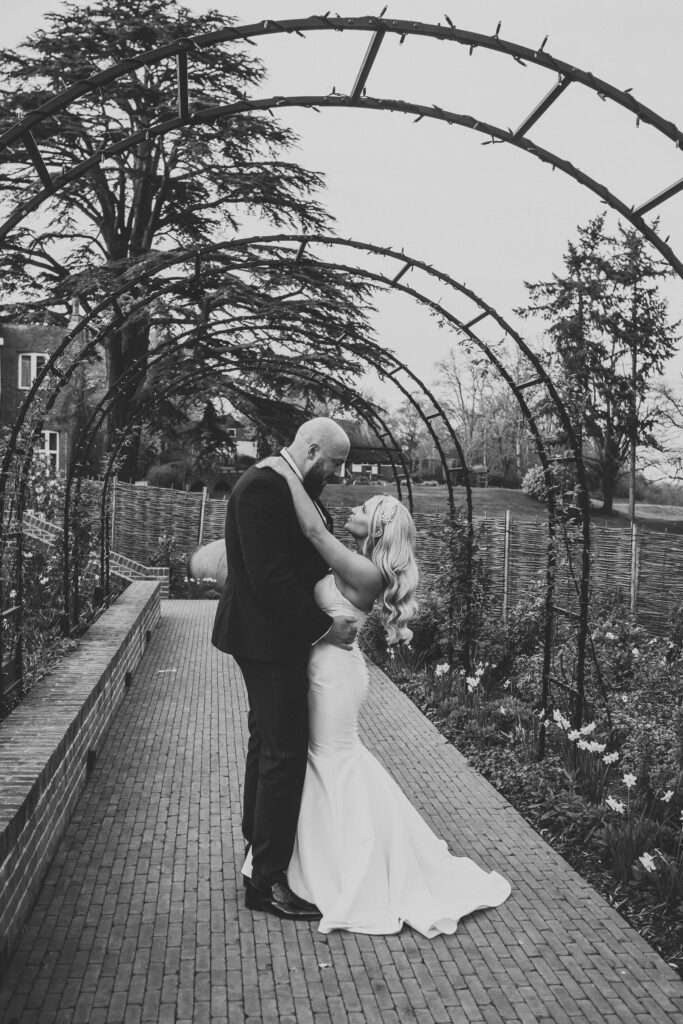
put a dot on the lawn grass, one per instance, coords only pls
(493, 502)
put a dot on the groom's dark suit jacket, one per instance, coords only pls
(266, 611)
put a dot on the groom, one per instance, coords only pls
(267, 619)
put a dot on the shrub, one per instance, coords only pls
(533, 484)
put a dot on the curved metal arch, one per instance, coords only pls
(465, 121)
(529, 418)
(584, 499)
(207, 251)
(181, 48)
(402, 28)
(465, 328)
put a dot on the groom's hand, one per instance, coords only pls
(342, 632)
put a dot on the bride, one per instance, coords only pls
(363, 854)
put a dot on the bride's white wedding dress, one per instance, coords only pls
(363, 854)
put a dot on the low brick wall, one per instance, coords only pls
(128, 569)
(46, 744)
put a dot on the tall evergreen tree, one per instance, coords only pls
(191, 185)
(609, 336)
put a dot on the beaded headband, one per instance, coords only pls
(389, 509)
(385, 512)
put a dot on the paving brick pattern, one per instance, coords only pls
(141, 917)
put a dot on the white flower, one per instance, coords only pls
(502, 710)
(611, 758)
(472, 683)
(506, 684)
(587, 729)
(610, 636)
(573, 735)
(43, 580)
(636, 653)
(616, 805)
(667, 796)
(441, 670)
(592, 745)
(648, 862)
(560, 719)
(629, 780)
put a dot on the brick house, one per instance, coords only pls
(24, 350)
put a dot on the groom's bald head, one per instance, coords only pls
(319, 449)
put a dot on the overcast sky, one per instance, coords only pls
(491, 216)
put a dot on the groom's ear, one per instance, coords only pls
(313, 449)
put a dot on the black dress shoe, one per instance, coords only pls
(279, 899)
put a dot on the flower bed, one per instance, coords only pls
(607, 793)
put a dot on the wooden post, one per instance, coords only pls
(113, 515)
(506, 562)
(635, 566)
(202, 513)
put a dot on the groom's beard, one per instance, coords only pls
(314, 481)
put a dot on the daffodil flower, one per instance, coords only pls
(560, 719)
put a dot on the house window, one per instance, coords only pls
(51, 447)
(231, 432)
(30, 365)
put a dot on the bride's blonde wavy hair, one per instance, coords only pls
(390, 544)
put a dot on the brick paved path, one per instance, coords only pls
(141, 916)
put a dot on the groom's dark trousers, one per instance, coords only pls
(267, 619)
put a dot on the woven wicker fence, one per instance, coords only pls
(513, 552)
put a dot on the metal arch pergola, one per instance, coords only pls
(382, 362)
(23, 131)
(27, 128)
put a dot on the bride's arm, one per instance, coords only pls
(356, 570)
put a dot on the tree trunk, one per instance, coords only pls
(633, 439)
(610, 473)
(126, 351)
